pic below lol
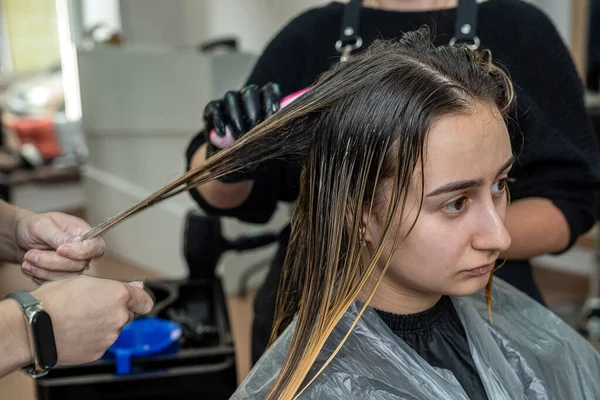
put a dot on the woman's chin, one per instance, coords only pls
(469, 286)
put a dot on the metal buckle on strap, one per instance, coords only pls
(346, 50)
(473, 45)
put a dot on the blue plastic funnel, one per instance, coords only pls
(143, 337)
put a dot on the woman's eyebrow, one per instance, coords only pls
(468, 184)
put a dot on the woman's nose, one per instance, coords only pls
(491, 233)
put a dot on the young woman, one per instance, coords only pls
(403, 197)
(558, 169)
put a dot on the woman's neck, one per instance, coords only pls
(411, 5)
(391, 297)
(395, 300)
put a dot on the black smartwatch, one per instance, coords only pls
(42, 334)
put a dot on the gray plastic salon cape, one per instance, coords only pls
(526, 353)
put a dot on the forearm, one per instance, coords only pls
(9, 216)
(218, 194)
(14, 342)
(536, 227)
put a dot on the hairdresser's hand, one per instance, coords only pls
(88, 314)
(229, 118)
(51, 245)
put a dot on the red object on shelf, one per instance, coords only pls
(40, 133)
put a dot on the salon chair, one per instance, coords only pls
(204, 365)
(205, 244)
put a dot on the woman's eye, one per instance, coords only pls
(457, 205)
(501, 185)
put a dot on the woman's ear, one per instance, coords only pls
(368, 229)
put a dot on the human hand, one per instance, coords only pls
(88, 314)
(51, 245)
(229, 118)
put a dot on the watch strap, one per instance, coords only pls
(24, 298)
(28, 302)
(35, 372)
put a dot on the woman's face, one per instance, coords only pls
(460, 231)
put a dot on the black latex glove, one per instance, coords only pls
(227, 119)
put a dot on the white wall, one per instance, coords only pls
(105, 12)
(5, 53)
(255, 22)
(153, 22)
(189, 22)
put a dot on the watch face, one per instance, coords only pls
(43, 334)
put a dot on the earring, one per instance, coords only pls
(363, 242)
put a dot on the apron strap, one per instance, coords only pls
(465, 29)
(350, 40)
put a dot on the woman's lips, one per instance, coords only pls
(483, 270)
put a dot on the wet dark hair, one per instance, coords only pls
(361, 122)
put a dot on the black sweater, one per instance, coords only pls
(439, 337)
(558, 156)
